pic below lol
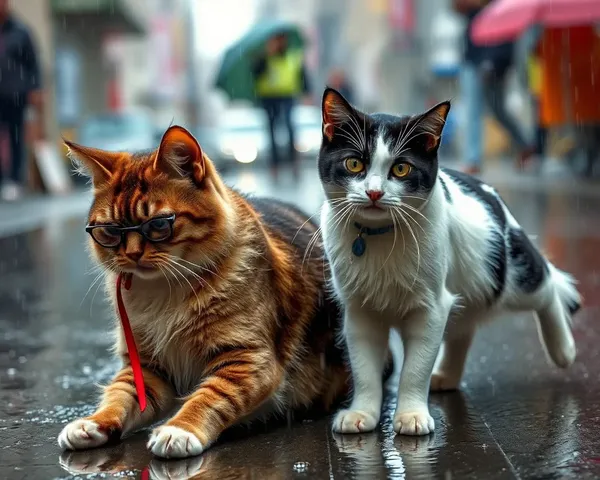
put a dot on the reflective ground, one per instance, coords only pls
(516, 417)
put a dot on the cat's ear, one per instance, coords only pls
(336, 110)
(92, 162)
(180, 155)
(431, 124)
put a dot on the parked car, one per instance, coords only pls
(120, 131)
(242, 136)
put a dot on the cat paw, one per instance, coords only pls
(354, 421)
(82, 434)
(167, 441)
(175, 469)
(414, 423)
(441, 382)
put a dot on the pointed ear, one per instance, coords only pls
(432, 124)
(180, 155)
(92, 162)
(336, 110)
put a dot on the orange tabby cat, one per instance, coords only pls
(227, 318)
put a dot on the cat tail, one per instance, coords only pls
(566, 290)
(555, 318)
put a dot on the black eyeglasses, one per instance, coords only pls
(154, 230)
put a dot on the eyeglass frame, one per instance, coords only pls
(136, 228)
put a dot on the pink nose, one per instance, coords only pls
(374, 195)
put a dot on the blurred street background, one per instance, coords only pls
(114, 74)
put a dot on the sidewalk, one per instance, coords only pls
(39, 210)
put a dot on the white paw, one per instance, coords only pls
(414, 423)
(354, 421)
(175, 469)
(442, 382)
(174, 442)
(82, 434)
(564, 356)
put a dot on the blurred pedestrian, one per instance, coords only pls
(339, 80)
(483, 80)
(20, 87)
(281, 80)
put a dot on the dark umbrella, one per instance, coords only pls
(235, 76)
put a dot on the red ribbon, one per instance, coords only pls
(134, 358)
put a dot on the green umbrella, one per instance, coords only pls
(235, 76)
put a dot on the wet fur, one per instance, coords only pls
(233, 322)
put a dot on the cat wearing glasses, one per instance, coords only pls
(230, 322)
(425, 250)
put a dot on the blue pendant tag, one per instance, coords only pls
(359, 246)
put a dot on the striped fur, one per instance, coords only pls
(228, 315)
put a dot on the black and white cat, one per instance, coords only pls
(425, 250)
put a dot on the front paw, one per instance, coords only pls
(414, 423)
(82, 434)
(173, 442)
(354, 421)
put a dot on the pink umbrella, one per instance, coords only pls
(505, 20)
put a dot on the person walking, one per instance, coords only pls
(281, 80)
(20, 87)
(483, 81)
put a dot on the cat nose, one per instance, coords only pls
(134, 255)
(374, 195)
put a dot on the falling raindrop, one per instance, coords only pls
(11, 372)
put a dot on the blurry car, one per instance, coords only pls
(120, 131)
(242, 136)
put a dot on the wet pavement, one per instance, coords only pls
(516, 416)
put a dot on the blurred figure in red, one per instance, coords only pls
(20, 86)
(281, 80)
(338, 79)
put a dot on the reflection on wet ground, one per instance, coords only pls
(517, 417)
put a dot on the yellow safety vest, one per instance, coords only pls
(534, 67)
(282, 76)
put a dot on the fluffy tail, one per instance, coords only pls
(566, 290)
(555, 317)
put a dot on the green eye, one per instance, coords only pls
(401, 170)
(354, 165)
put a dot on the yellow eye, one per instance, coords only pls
(401, 170)
(354, 165)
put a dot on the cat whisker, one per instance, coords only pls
(315, 237)
(170, 270)
(168, 282)
(175, 265)
(200, 267)
(406, 212)
(406, 138)
(393, 243)
(309, 248)
(98, 277)
(416, 245)
(302, 226)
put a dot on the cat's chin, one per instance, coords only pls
(144, 273)
(373, 213)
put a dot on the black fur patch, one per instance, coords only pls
(473, 187)
(530, 266)
(446, 191)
